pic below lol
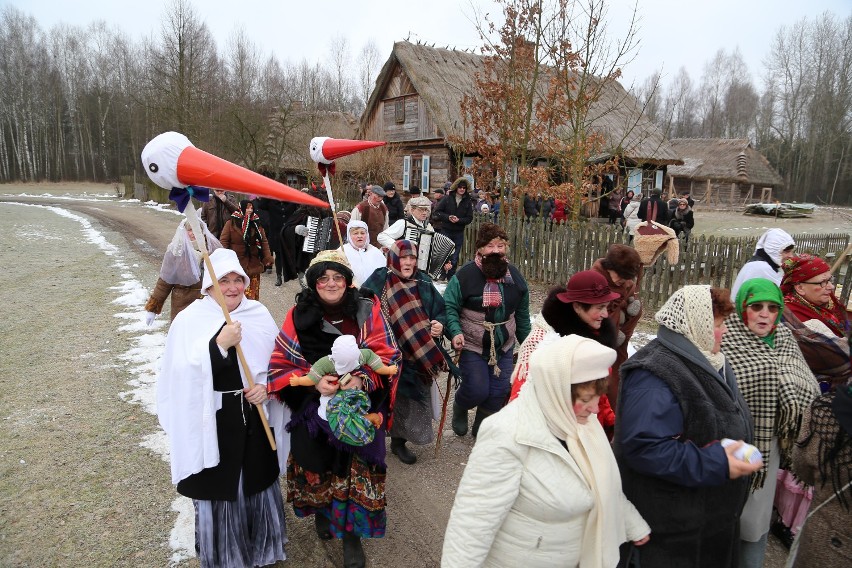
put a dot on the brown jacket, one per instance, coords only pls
(216, 212)
(232, 238)
(623, 322)
(182, 296)
(826, 537)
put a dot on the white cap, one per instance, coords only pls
(224, 262)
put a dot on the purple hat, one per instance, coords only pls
(587, 287)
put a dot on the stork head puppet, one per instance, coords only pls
(172, 162)
(325, 150)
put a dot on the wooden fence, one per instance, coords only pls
(549, 253)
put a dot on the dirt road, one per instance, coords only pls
(77, 486)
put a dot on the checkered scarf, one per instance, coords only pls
(249, 230)
(491, 296)
(776, 384)
(403, 308)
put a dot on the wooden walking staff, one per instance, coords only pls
(192, 218)
(453, 372)
(841, 257)
(172, 162)
(324, 151)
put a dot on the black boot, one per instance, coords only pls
(322, 525)
(353, 552)
(399, 450)
(459, 419)
(278, 281)
(481, 414)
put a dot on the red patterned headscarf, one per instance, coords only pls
(801, 268)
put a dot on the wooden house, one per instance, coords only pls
(723, 171)
(416, 107)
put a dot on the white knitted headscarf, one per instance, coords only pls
(689, 312)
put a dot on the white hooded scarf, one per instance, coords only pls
(186, 401)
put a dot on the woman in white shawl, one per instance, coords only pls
(220, 456)
(541, 487)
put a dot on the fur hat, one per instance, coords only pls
(328, 260)
(460, 181)
(414, 190)
(588, 287)
(624, 260)
(488, 232)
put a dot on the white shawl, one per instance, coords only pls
(186, 402)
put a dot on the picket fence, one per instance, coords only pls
(549, 253)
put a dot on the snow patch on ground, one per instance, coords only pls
(143, 361)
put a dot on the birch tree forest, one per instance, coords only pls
(79, 103)
(798, 112)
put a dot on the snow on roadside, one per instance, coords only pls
(143, 358)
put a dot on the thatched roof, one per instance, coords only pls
(443, 76)
(731, 160)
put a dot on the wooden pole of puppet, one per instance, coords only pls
(327, 182)
(192, 218)
(841, 257)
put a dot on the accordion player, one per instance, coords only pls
(433, 249)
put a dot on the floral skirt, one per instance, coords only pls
(354, 504)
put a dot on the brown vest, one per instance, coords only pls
(375, 220)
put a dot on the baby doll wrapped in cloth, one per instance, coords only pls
(346, 411)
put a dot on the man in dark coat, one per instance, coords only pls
(654, 208)
(396, 210)
(455, 212)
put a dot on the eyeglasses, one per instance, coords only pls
(337, 278)
(758, 307)
(821, 283)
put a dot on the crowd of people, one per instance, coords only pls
(685, 453)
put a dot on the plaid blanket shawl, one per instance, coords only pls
(827, 356)
(777, 385)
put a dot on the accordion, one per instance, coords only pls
(319, 234)
(439, 253)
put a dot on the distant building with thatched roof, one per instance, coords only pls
(416, 107)
(725, 171)
(290, 134)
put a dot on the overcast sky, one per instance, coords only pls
(673, 33)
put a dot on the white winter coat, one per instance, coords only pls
(522, 501)
(631, 216)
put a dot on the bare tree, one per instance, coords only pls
(369, 65)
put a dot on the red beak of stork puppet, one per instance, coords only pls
(325, 150)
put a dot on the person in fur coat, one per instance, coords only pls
(580, 308)
(682, 220)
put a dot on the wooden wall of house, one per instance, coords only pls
(721, 192)
(417, 124)
(440, 162)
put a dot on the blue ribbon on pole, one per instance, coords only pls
(181, 195)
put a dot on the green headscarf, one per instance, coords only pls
(760, 290)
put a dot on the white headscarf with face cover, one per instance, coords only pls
(182, 261)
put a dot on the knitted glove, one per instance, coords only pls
(633, 307)
(149, 317)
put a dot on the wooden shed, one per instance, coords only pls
(416, 107)
(723, 171)
(290, 134)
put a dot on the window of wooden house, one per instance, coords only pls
(416, 171)
(651, 179)
(399, 110)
